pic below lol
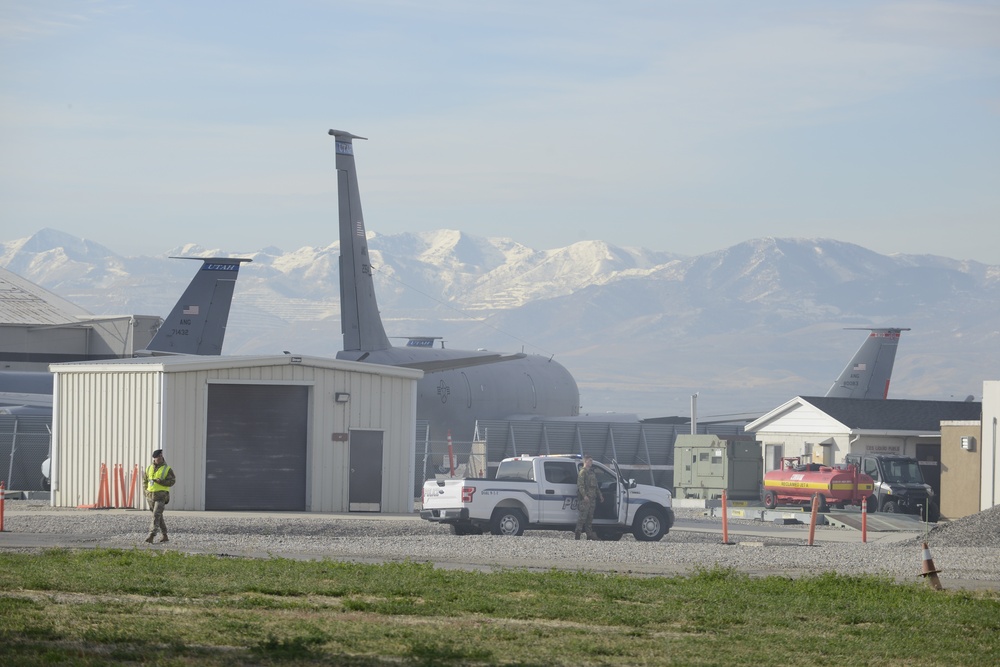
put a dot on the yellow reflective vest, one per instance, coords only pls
(155, 477)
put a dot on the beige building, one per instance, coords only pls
(961, 468)
(283, 433)
(970, 465)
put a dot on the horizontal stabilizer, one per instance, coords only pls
(419, 359)
(432, 365)
(25, 399)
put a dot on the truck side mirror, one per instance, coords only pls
(631, 483)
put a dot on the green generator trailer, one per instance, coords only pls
(705, 465)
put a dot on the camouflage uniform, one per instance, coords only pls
(587, 492)
(154, 476)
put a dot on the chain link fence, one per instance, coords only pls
(644, 451)
(25, 442)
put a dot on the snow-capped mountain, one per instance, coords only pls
(747, 327)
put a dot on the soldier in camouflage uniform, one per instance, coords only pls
(587, 494)
(157, 479)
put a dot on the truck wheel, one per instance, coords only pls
(933, 512)
(770, 500)
(872, 505)
(889, 507)
(508, 522)
(649, 525)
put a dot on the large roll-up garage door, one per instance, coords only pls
(256, 447)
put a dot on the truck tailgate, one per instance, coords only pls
(445, 493)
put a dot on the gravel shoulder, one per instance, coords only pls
(967, 551)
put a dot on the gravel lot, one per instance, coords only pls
(967, 550)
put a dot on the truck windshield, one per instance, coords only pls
(903, 472)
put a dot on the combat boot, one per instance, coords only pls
(576, 535)
(164, 538)
(592, 536)
(150, 539)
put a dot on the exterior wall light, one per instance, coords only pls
(341, 397)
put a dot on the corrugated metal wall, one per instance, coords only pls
(100, 418)
(381, 402)
(377, 402)
(185, 403)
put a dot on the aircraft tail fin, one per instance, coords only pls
(360, 321)
(197, 324)
(867, 375)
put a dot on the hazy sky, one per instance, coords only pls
(673, 125)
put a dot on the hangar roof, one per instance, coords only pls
(23, 302)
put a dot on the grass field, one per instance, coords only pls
(137, 607)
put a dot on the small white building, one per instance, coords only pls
(280, 433)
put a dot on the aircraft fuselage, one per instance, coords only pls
(452, 400)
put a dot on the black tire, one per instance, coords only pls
(650, 525)
(933, 512)
(770, 500)
(872, 505)
(823, 507)
(508, 521)
(889, 507)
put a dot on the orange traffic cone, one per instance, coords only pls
(928, 570)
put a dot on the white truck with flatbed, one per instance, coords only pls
(539, 493)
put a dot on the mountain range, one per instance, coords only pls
(746, 327)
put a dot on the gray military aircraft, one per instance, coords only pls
(459, 387)
(867, 375)
(196, 325)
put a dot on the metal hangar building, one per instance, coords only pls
(270, 433)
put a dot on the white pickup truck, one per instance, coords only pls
(539, 493)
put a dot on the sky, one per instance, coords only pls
(675, 126)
